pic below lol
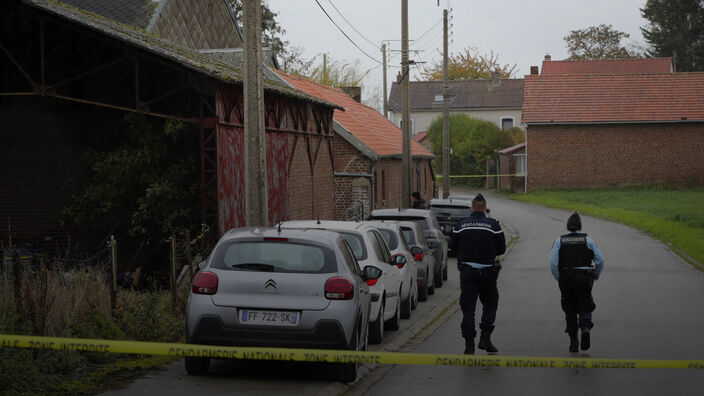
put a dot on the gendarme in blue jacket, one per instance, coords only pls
(478, 239)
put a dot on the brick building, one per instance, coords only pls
(67, 72)
(597, 130)
(512, 161)
(367, 155)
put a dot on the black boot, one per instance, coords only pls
(485, 341)
(469, 346)
(574, 342)
(585, 339)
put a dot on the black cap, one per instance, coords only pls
(415, 194)
(479, 198)
(574, 223)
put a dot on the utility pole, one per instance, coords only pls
(256, 208)
(325, 68)
(386, 104)
(445, 113)
(406, 111)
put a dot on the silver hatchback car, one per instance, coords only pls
(280, 288)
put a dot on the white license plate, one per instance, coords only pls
(270, 318)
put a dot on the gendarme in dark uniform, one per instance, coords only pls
(571, 264)
(478, 239)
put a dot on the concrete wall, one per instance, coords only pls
(582, 156)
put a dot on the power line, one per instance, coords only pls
(348, 37)
(348, 22)
(427, 31)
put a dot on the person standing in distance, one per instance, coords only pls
(478, 239)
(571, 264)
(417, 202)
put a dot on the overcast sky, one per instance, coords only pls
(520, 32)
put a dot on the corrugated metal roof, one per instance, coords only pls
(673, 97)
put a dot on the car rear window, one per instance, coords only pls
(421, 221)
(357, 244)
(390, 237)
(454, 211)
(275, 256)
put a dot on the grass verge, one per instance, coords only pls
(674, 216)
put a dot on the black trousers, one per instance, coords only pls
(577, 301)
(478, 283)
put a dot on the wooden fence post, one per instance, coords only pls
(113, 259)
(173, 271)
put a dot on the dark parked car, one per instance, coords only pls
(449, 211)
(437, 242)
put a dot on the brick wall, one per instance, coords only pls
(350, 191)
(389, 181)
(582, 156)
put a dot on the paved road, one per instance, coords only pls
(280, 378)
(650, 305)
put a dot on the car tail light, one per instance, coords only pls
(205, 283)
(372, 282)
(418, 257)
(339, 288)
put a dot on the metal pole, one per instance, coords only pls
(256, 209)
(386, 104)
(406, 111)
(445, 113)
(113, 259)
(173, 271)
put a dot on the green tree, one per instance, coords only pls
(597, 42)
(469, 64)
(473, 141)
(676, 28)
(272, 32)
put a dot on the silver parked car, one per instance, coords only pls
(272, 287)
(370, 249)
(423, 256)
(437, 242)
(398, 246)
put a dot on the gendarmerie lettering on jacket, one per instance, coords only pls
(478, 239)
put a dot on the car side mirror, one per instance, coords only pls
(399, 260)
(433, 245)
(371, 272)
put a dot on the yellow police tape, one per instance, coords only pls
(332, 356)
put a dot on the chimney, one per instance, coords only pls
(495, 79)
(534, 70)
(548, 57)
(354, 93)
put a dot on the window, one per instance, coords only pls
(384, 247)
(520, 164)
(350, 261)
(506, 123)
(357, 244)
(390, 238)
(275, 257)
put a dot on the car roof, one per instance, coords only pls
(391, 224)
(327, 225)
(401, 212)
(320, 236)
(459, 202)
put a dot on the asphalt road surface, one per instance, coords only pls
(650, 305)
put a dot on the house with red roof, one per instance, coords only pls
(366, 154)
(606, 66)
(596, 130)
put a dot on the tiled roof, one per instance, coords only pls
(365, 123)
(614, 98)
(607, 66)
(159, 46)
(137, 13)
(420, 136)
(512, 149)
(466, 94)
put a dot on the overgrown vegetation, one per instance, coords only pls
(473, 141)
(46, 300)
(675, 216)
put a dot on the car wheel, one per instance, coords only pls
(376, 328)
(438, 279)
(431, 286)
(197, 365)
(406, 307)
(347, 372)
(444, 272)
(395, 322)
(414, 300)
(423, 292)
